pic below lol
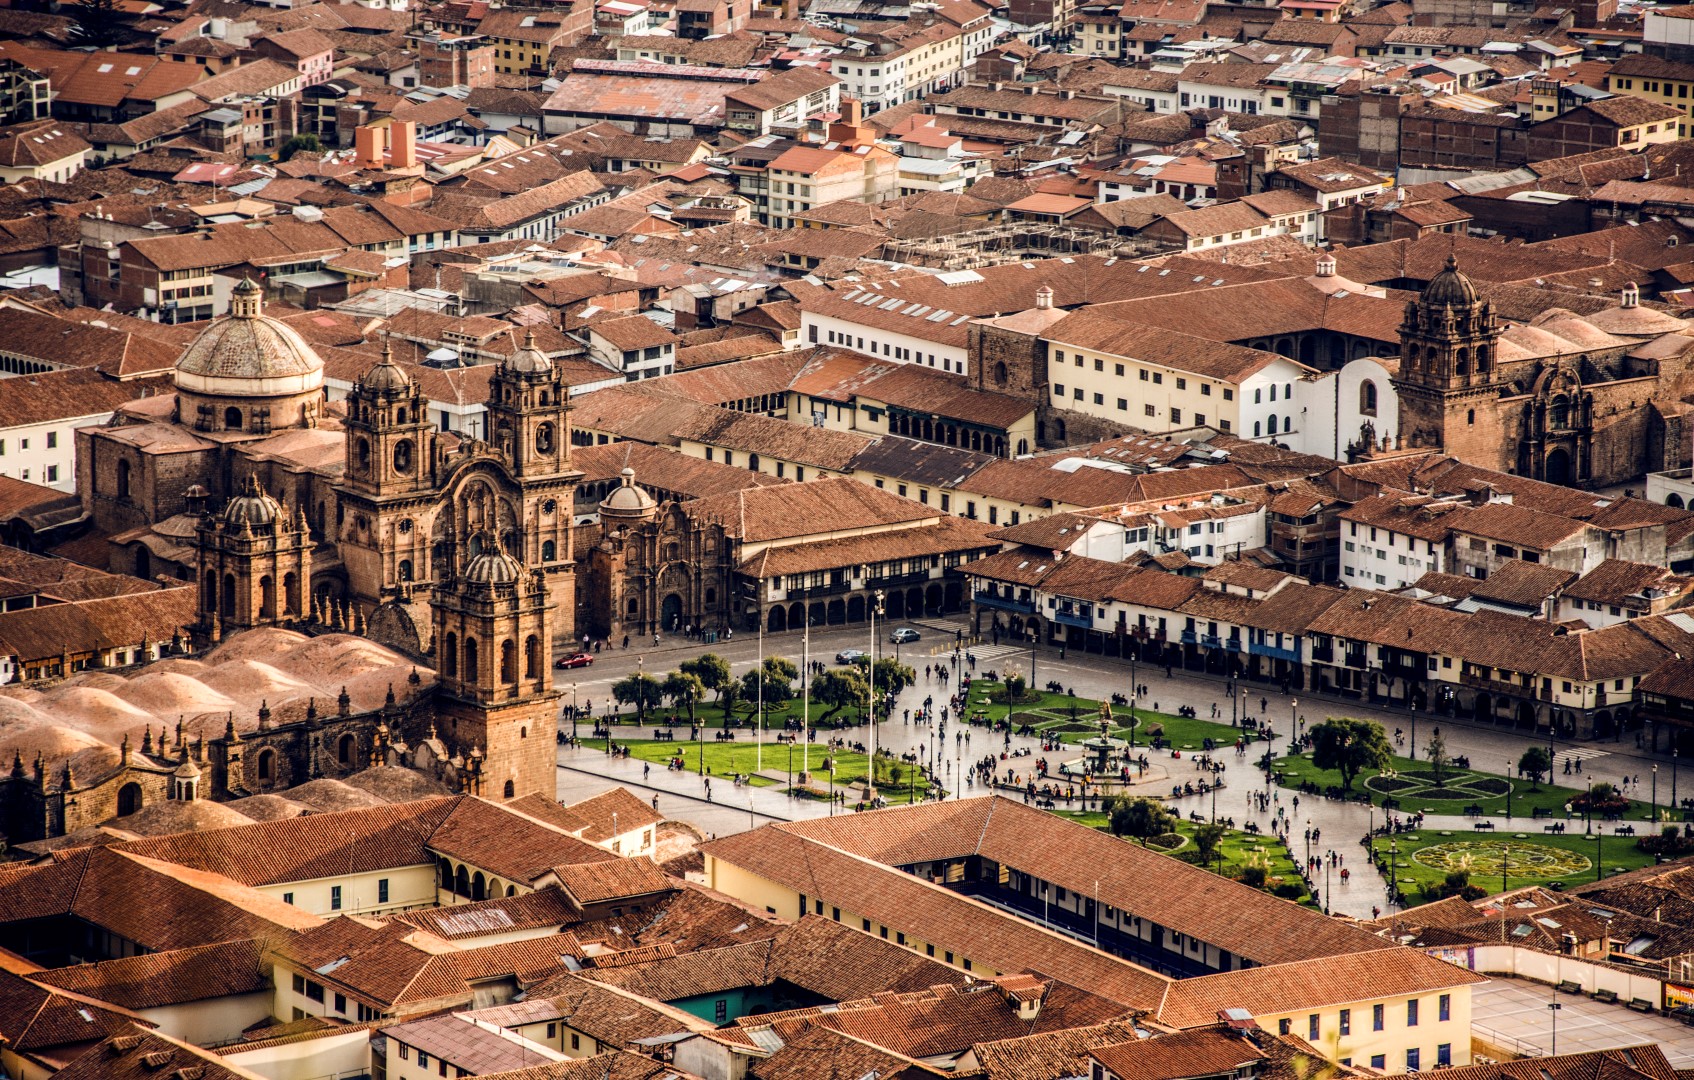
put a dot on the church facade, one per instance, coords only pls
(1585, 402)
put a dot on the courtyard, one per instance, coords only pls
(1512, 1015)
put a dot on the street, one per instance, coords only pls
(1340, 826)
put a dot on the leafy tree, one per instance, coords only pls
(1349, 746)
(778, 678)
(1438, 759)
(712, 670)
(1014, 688)
(641, 690)
(1140, 817)
(1206, 840)
(838, 688)
(893, 676)
(305, 142)
(684, 691)
(1534, 762)
(97, 22)
(1255, 876)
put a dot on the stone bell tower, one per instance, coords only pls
(493, 653)
(1449, 379)
(254, 566)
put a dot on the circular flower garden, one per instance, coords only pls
(1487, 859)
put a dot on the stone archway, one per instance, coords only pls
(129, 799)
(670, 612)
(1483, 707)
(778, 620)
(1558, 467)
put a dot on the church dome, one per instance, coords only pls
(1449, 288)
(187, 771)
(246, 354)
(252, 506)
(493, 566)
(386, 375)
(529, 360)
(627, 500)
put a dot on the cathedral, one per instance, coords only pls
(1582, 401)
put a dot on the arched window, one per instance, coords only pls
(544, 439)
(1258, 429)
(1481, 358)
(532, 663)
(291, 593)
(450, 656)
(1673, 499)
(267, 764)
(344, 749)
(405, 570)
(711, 596)
(1000, 373)
(1558, 413)
(400, 415)
(549, 551)
(753, 462)
(471, 658)
(1461, 365)
(511, 789)
(1367, 398)
(1270, 421)
(267, 598)
(211, 591)
(232, 419)
(508, 661)
(363, 449)
(1470, 416)
(403, 456)
(129, 799)
(228, 608)
(123, 478)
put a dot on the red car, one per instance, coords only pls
(580, 659)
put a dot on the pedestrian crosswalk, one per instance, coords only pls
(1579, 753)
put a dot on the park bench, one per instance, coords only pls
(1473, 811)
(1625, 830)
(664, 735)
(1483, 826)
(1642, 1005)
(1556, 827)
(1569, 987)
(1609, 997)
(1541, 812)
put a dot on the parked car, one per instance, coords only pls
(904, 636)
(580, 659)
(850, 656)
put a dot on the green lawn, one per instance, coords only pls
(1075, 719)
(1237, 851)
(1527, 858)
(744, 756)
(1413, 784)
(709, 714)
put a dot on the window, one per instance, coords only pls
(576, 1041)
(1412, 1013)
(423, 1060)
(1143, 374)
(1123, 404)
(1312, 1027)
(1378, 1061)
(1150, 410)
(1444, 1003)
(1346, 1021)
(341, 1003)
(1444, 1054)
(1284, 1026)
(382, 890)
(1376, 1014)
(1182, 384)
(52, 439)
(1413, 1057)
(315, 992)
(335, 898)
(288, 898)
(1176, 416)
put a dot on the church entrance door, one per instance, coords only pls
(1558, 469)
(670, 611)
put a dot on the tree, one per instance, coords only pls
(305, 142)
(1014, 688)
(684, 691)
(1348, 747)
(892, 676)
(1535, 761)
(838, 688)
(641, 690)
(713, 672)
(1438, 759)
(1206, 840)
(778, 680)
(1140, 817)
(97, 23)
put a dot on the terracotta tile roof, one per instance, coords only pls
(611, 1015)
(158, 979)
(950, 535)
(39, 1017)
(831, 505)
(1523, 584)
(819, 1053)
(620, 879)
(1201, 1052)
(1103, 333)
(1616, 580)
(1310, 984)
(508, 845)
(686, 476)
(1512, 524)
(500, 915)
(1049, 1054)
(133, 1053)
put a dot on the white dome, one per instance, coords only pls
(246, 354)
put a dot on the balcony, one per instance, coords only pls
(832, 588)
(1494, 686)
(1210, 641)
(989, 600)
(1189, 637)
(1067, 618)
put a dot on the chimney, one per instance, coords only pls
(403, 144)
(368, 147)
(852, 112)
(1631, 295)
(1044, 298)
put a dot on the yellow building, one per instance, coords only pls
(975, 884)
(1667, 82)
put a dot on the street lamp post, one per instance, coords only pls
(1393, 870)
(1553, 1008)
(1599, 866)
(1508, 790)
(1132, 721)
(1234, 717)
(1328, 861)
(1293, 720)
(870, 673)
(1673, 803)
(1588, 810)
(1653, 811)
(573, 713)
